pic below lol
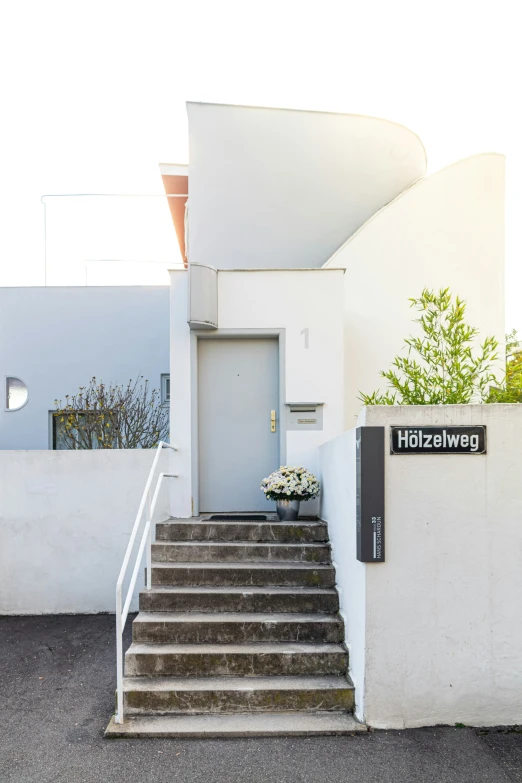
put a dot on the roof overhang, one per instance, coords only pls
(175, 182)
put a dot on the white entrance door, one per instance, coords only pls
(238, 389)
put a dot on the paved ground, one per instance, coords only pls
(56, 696)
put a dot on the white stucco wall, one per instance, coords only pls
(442, 614)
(277, 188)
(446, 230)
(57, 338)
(290, 300)
(65, 521)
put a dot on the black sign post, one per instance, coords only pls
(370, 494)
(438, 440)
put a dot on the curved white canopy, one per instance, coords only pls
(284, 189)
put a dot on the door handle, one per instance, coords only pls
(272, 421)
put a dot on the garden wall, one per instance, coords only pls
(65, 521)
(434, 632)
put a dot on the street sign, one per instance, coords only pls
(438, 440)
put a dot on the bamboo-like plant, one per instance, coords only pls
(102, 416)
(442, 366)
(511, 388)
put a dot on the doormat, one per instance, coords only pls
(253, 517)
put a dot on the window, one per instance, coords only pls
(16, 394)
(85, 438)
(165, 388)
(58, 439)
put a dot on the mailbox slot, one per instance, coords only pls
(304, 415)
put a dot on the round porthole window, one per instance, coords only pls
(16, 394)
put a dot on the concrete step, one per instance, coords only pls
(255, 659)
(232, 552)
(205, 530)
(239, 599)
(150, 695)
(236, 628)
(243, 574)
(290, 724)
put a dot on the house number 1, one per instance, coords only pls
(306, 333)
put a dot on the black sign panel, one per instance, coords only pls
(438, 440)
(370, 494)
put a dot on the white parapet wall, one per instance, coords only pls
(434, 632)
(66, 518)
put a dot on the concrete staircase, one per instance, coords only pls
(239, 635)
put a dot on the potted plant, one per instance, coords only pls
(288, 487)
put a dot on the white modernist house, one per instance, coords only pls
(307, 233)
(55, 339)
(303, 238)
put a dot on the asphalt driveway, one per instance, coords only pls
(57, 680)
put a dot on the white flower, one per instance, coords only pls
(295, 482)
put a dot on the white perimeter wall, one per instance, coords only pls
(57, 338)
(288, 299)
(277, 188)
(442, 633)
(446, 230)
(66, 518)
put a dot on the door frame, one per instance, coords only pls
(217, 334)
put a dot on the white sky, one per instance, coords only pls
(93, 98)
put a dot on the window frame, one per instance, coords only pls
(165, 381)
(17, 378)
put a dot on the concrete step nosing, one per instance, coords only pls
(259, 600)
(237, 683)
(239, 591)
(244, 552)
(272, 618)
(248, 544)
(238, 725)
(156, 695)
(247, 648)
(238, 520)
(260, 565)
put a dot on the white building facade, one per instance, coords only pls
(55, 339)
(310, 230)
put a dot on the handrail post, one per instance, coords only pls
(119, 658)
(149, 543)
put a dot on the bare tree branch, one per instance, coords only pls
(112, 417)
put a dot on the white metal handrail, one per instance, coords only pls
(146, 540)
